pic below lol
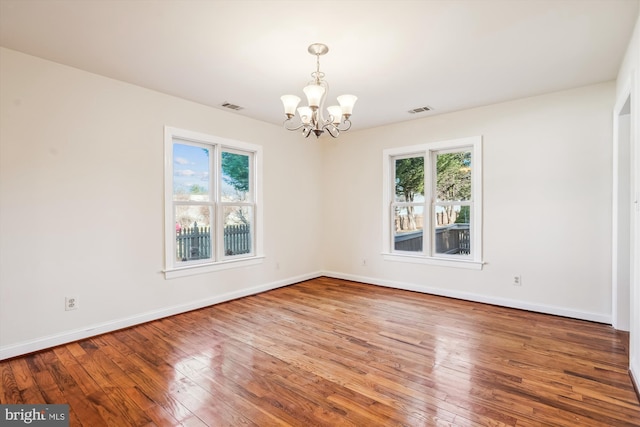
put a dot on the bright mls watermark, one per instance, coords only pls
(34, 415)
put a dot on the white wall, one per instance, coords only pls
(547, 204)
(628, 85)
(81, 204)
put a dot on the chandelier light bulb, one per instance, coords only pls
(346, 103)
(290, 103)
(335, 111)
(314, 95)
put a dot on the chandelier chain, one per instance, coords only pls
(317, 75)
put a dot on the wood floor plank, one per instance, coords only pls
(329, 352)
(10, 390)
(29, 391)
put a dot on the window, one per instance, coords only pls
(211, 203)
(433, 203)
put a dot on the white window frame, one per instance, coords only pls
(428, 255)
(219, 260)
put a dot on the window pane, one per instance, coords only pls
(235, 185)
(452, 230)
(408, 229)
(190, 172)
(453, 179)
(237, 230)
(193, 232)
(409, 179)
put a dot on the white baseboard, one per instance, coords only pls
(42, 343)
(468, 296)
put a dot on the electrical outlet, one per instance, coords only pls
(517, 281)
(71, 303)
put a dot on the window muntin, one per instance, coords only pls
(434, 195)
(211, 211)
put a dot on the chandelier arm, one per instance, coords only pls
(326, 122)
(346, 122)
(288, 127)
(331, 129)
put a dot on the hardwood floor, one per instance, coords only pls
(329, 352)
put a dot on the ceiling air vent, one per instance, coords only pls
(420, 110)
(231, 106)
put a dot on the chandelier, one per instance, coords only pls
(311, 118)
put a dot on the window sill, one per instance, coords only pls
(190, 270)
(442, 262)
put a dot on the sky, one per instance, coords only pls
(191, 167)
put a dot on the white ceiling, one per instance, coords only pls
(394, 55)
